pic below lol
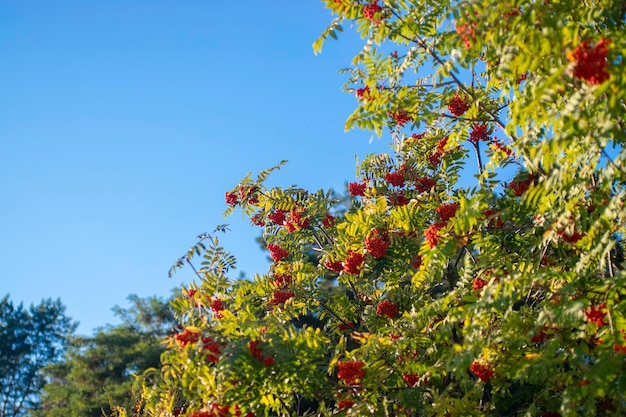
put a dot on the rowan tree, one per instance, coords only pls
(479, 268)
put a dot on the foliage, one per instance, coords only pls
(479, 269)
(29, 339)
(97, 371)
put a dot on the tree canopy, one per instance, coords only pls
(30, 338)
(479, 269)
(97, 372)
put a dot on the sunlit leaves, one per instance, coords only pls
(493, 248)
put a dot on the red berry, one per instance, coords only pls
(281, 296)
(591, 62)
(410, 379)
(395, 178)
(458, 106)
(329, 221)
(434, 158)
(479, 132)
(387, 309)
(432, 233)
(345, 404)
(277, 253)
(483, 372)
(478, 284)
(594, 314)
(363, 93)
(376, 245)
(424, 184)
(231, 198)
(357, 189)
(335, 266)
(447, 210)
(353, 263)
(400, 117)
(370, 11)
(277, 217)
(186, 337)
(351, 372)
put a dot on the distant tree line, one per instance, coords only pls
(47, 370)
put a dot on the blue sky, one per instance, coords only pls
(124, 122)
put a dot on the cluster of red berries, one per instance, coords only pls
(478, 284)
(432, 233)
(217, 410)
(217, 306)
(591, 62)
(441, 145)
(201, 414)
(447, 211)
(498, 146)
(351, 371)
(398, 199)
(296, 220)
(277, 217)
(329, 221)
(257, 219)
(466, 31)
(231, 198)
(458, 106)
(395, 178)
(186, 337)
(434, 158)
(416, 262)
(277, 253)
(377, 244)
(281, 296)
(595, 314)
(345, 403)
(212, 349)
(258, 353)
(249, 194)
(571, 237)
(282, 280)
(362, 93)
(346, 326)
(410, 379)
(483, 372)
(353, 263)
(335, 266)
(387, 309)
(400, 117)
(357, 189)
(520, 186)
(371, 10)
(479, 132)
(423, 184)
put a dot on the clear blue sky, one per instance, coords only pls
(122, 124)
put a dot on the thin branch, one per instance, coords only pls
(478, 158)
(193, 268)
(335, 315)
